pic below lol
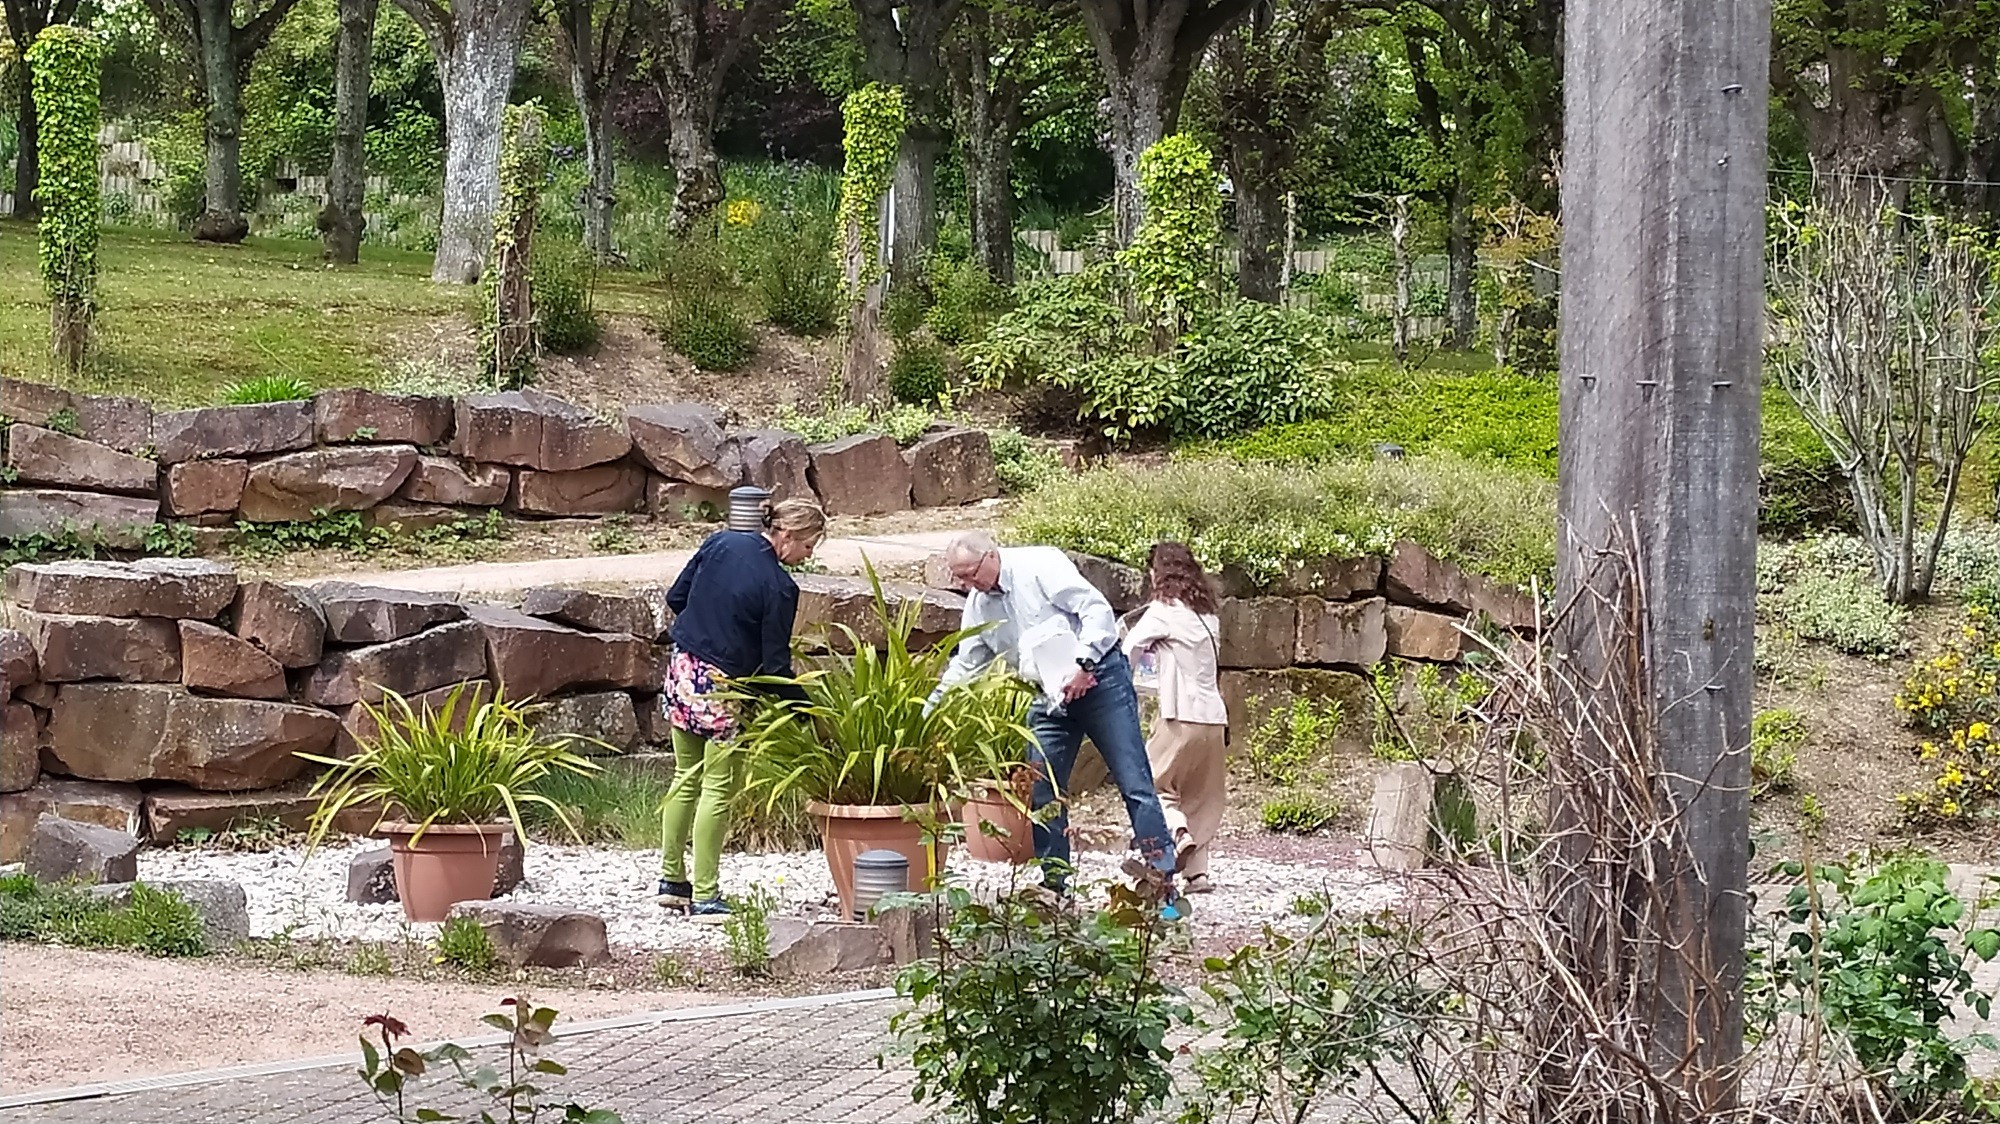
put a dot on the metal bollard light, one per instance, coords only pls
(878, 874)
(746, 508)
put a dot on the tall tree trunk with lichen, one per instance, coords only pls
(343, 221)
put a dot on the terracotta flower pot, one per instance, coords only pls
(846, 830)
(1016, 845)
(452, 863)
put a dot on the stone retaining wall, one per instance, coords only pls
(113, 467)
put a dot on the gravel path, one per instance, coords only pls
(304, 897)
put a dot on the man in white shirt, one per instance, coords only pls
(1018, 589)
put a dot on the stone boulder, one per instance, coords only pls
(18, 666)
(428, 661)
(802, 950)
(118, 522)
(301, 485)
(459, 483)
(1259, 632)
(171, 812)
(609, 489)
(1120, 584)
(1353, 634)
(222, 905)
(127, 649)
(529, 429)
(952, 467)
(363, 614)
(827, 601)
(778, 460)
(354, 415)
(543, 936)
(232, 431)
(1333, 579)
(607, 721)
(532, 658)
(860, 475)
(909, 933)
(593, 612)
(43, 456)
(358, 727)
(174, 588)
(1399, 817)
(20, 747)
(114, 806)
(203, 487)
(124, 424)
(285, 621)
(122, 732)
(684, 441)
(1414, 634)
(61, 850)
(213, 661)
(672, 501)
(1421, 580)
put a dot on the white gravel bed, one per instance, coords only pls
(303, 897)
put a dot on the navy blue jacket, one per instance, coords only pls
(734, 605)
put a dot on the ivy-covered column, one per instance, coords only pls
(875, 116)
(1175, 260)
(509, 338)
(64, 62)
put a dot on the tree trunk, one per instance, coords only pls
(343, 221)
(913, 224)
(1461, 252)
(1399, 241)
(27, 158)
(1663, 195)
(600, 187)
(476, 45)
(222, 205)
(1260, 230)
(862, 369)
(989, 181)
(986, 102)
(690, 120)
(1142, 112)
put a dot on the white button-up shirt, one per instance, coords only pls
(1036, 584)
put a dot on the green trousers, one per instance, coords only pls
(706, 777)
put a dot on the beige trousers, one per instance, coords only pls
(1190, 770)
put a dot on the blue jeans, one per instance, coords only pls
(1108, 714)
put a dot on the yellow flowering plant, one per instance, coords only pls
(1953, 698)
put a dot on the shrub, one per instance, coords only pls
(964, 300)
(64, 69)
(1954, 699)
(1283, 747)
(710, 331)
(918, 374)
(463, 944)
(1823, 589)
(797, 275)
(905, 423)
(1264, 518)
(748, 932)
(266, 388)
(153, 920)
(1775, 738)
(1299, 814)
(903, 310)
(1021, 464)
(564, 281)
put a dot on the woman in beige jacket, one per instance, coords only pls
(1178, 638)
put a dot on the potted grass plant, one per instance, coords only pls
(450, 782)
(876, 766)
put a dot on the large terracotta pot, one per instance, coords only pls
(846, 830)
(452, 863)
(1016, 845)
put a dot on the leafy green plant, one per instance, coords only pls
(266, 388)
(1282, 748)
(1175, 258)
(618, 804)
(151, 920)
(1021, 464)
(903, 309)
(1823, 589)
(710, 330)
(964, 300)
(1034, 1013)
(65, 422)
(874, 117)
(393, 1071)
(747, 930)
(564, 283)
(1298, 813)
(1882, 952)
(464, 944)
(797, 277)
(1422, 713)
(466, 761)
(63, 66)
(1775, 738)
(920, 372)
(326, 530)
(905, 422)
(614, 537)
(369, 960)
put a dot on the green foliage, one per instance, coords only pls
(903, 310)
(154, 921)
(921, 371)
(1775, 738)
(1175, 257)
(407, 148)
(1422, 713)
(462, 943)
(797, 276)
(369, 960)
(905, 422)
(508, 346)
(1299, 813)
(618, 804)
(266, 388)
(64, 63)
(748, 932)
(326, 530)
(875, 116)
(1264, 518)
(465, 761)
(393, 1071)
(64, 421)
(1034, 1013)
(1021, 464)
(564, 283)
(964, 300)
(1882, 952)
(1824, 589)
(1283, 748)
(710, 330)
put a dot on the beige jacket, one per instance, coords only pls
(1186, 644)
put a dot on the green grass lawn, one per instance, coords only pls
(178, 322)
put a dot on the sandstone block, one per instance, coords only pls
(341, 416)
(61, 850)
(778, 460)
(684, 441)
(43, 456)
(593, 612)
(1419, 579)
(607, 721)
(827, 601)
(454, 482)
(176, 588)
(411, 666)
(124, 424)
(809, 949)
(530, 429)
(119, 522)
(1354, 634)
(71, 649)
(532, 658)
(201, 487)
(216, 662)
(1399, 817)
(285, 621)
(672, 501)
(952, 467)
(20, 747)
(173, 811)
(122, 732)
(232, 431)
(547, 936)
(1333, 579)
(1418, 635)
(360, 614)
(1259, 632)
(860, 475)
(302, 485)
(114, 806)
(18, 666)
(605, 490)
(1120, 584)
(371, 877)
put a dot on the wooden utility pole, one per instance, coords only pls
(1663, 193)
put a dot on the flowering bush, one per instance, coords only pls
(1954, 698)
(742, 212)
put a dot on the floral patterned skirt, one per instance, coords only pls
(690, 699)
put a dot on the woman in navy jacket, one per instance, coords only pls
(733, 605)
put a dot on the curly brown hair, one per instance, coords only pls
(1174, 575)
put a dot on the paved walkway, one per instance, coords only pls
(800, 1061)
(839, 555)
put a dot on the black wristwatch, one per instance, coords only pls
(1087, 665)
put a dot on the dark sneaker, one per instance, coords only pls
(714, 909)
(674, 895)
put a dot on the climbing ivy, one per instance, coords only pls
(64, 61)
(508, 337)
(875, 116)
(1175, 258)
